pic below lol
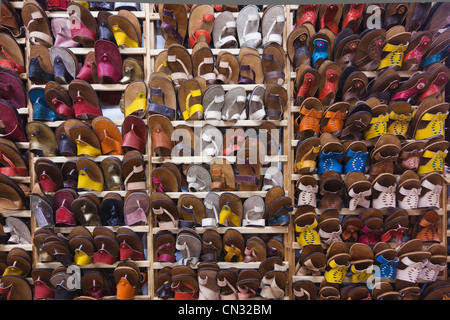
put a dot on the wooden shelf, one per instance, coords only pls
(242, 230)
(207, 159)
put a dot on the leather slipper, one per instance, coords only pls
(84, 28)
(162, 98)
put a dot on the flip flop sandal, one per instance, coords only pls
(104, 32)
(111, 211)
(248, 284)
(174, 22)
(254, 214)
(12, 88)
(359, 190)
(438, 76)
(234, 105)
(384, 154)
(255, 103)
(272, 25)
(211, 141)
(90, 175)
(201, 24)
(49, 175)
(394, 47)
(231, 210)
(222, 175)
(435, 151)
(127, 281)
(307, 14)
(198, 178)
(330, 16)
(345, 46)
(65, 145)
(355, 156)
(437, 50)
(133, 171)
(331, 186)
(356, 122)
(255, 250)
(161, 63)
(306, 83)
(400, 114)
(184, 285)
(163, 282)
(383, 191)
(59, 100)
(94, 286)
(86, 104)
(203, 62)
(305, 155)
(307, 124)
(12, 199)
(109, 62)
(11, 55)
(272, 178)
(321, 46)
(112, 171)
(297, 45)
(395, 14)
(41, 110)
(87, 141)
(184, 140)
(207, 280)
(369, 50)
(212, 208)
(41, 278)
(189, 99)
(213, 100)
(351, 85)
(40, 68)
(418, 45)
(247, 25)
(83, 249)
(134, 99)
(88, 72)
(278, 207)
(234, 246)
(416, 16)
(70, 174)
(65, 64)
(227, 66)
(226, 279)
(329, 227)
(188, 246)
(352, 16)
(164, 211)
(164, 180)
(126, 29)
(378, 124)
(63, 200)
(233, 141)
(304, 290)
(37, 24)
(12, 21)
(132, 70)
(18, 260)
(224, 31)
(16, 288)
(136, 207)
(333, 118)
(250, 69)
(331, 153)
(329, 72)
(83, 28)
(249, 170)
(273, 62)
(428, 121)
(86, 210)
(42, 139)
(161, 132)
(164, 243)
(109, 135)
(130, 245)
(134, 133)
(162, 98)
(192, 211)
(12, 161)
(410, 89)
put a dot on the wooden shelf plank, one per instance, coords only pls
(52, 265)
(243, 230)
(220, 123)
(207, 159)
(138, 229)
(61, 159)
(222, 265)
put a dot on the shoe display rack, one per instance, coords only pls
(296, 251)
